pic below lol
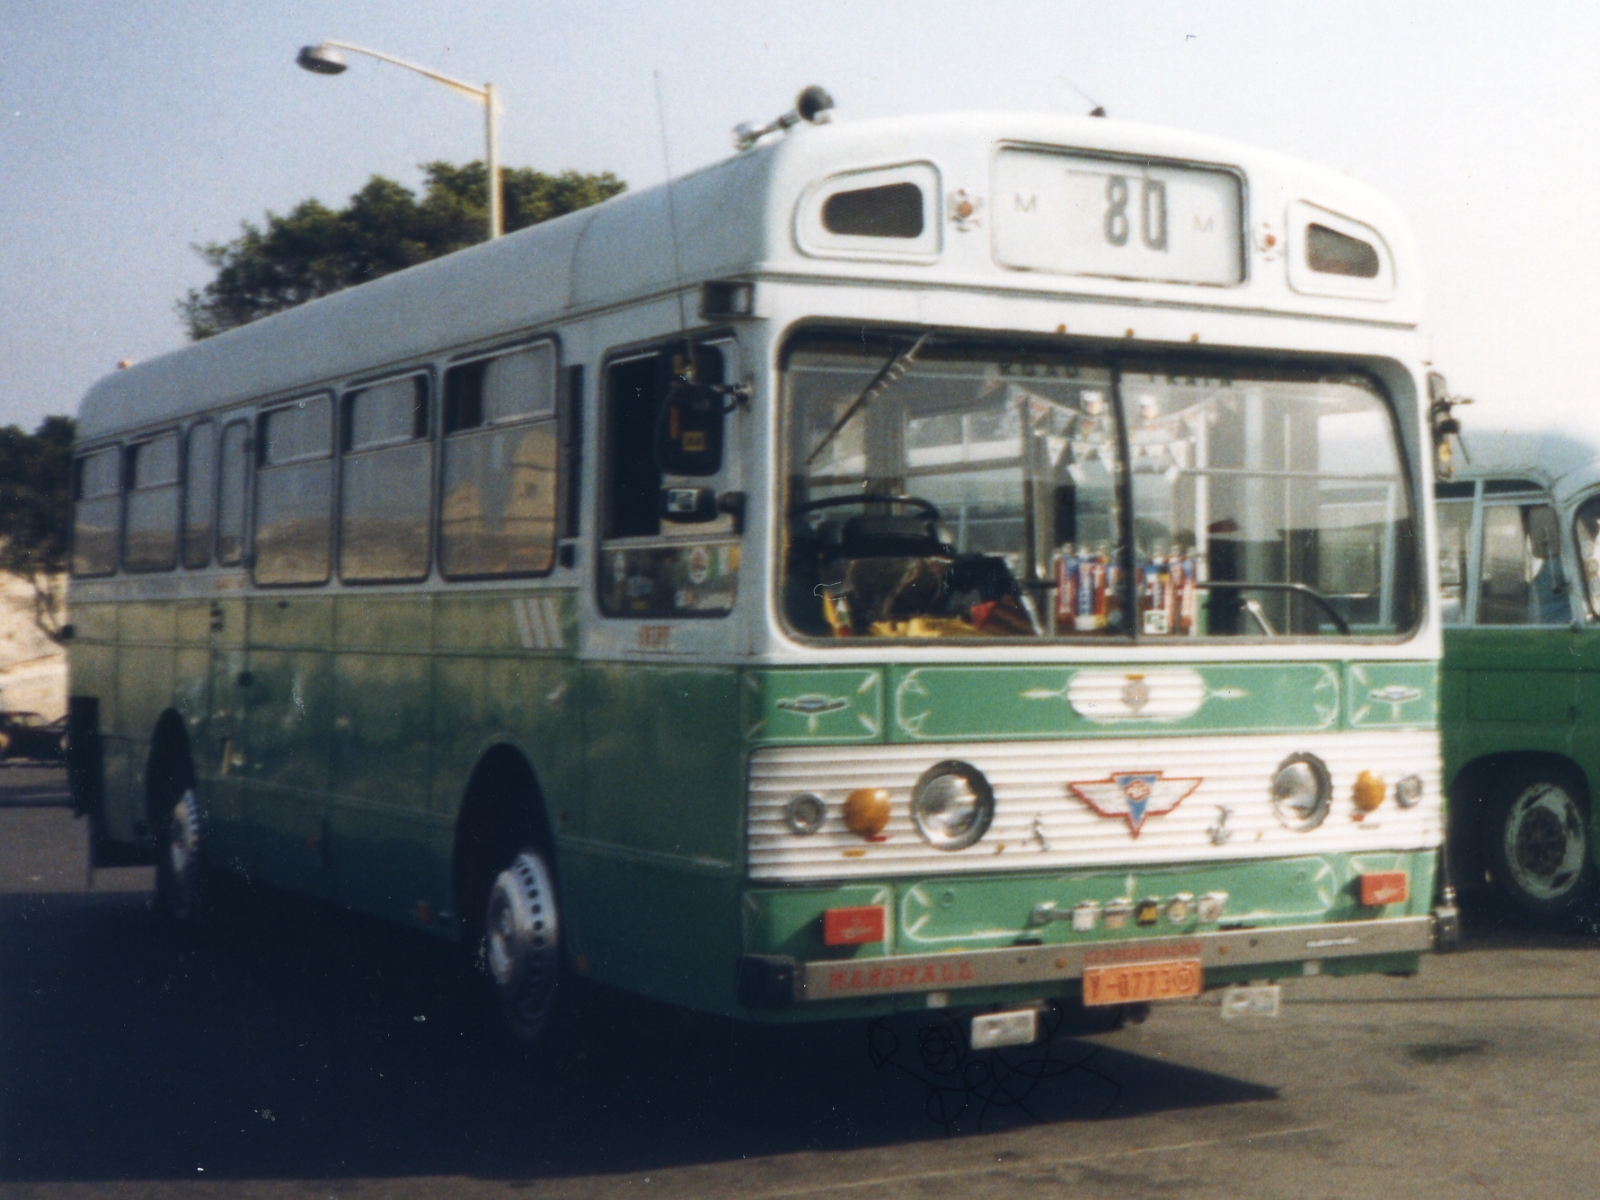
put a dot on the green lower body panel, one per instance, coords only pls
(1015, 937)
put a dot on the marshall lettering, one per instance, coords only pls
(929, 974)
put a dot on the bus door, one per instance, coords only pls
(664, 773)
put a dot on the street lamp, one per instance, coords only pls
(325, 59)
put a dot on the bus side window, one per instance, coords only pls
(1586, 524)
(1519, 581)
(150, 530)
(199, 494)
(1455, 543)
(232, 491)
(385, 492)
(690, 563)
(497, 507)
(97, 511)
(294, 493)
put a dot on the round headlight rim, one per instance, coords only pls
(982, 791)
(805, 814)
(1408, 792)
(1324, 793)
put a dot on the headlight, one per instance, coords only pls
(952, 805)
(1301, 791)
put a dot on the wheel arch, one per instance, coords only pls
(502, 809)
(170, 765)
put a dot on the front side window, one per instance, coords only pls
(497, 512)
(1455, 548)
(386, 485)
(150, 531)
(972, 490)
(294, 493)
(97, 511)
(1520, 580)
(672, 505)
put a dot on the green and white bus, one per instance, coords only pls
(1520, 701)
(961, 561)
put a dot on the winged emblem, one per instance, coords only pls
(1133, 795)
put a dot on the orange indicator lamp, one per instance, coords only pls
(866, 811)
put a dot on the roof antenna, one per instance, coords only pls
(672, 220)
(813, 106)
(1099, 110)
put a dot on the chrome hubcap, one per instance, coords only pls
(1545, 842)
(523, 943)
(183, 849)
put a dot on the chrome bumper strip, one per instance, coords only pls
(846, 979)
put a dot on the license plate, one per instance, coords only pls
(1137, 982)
(1020, 1027)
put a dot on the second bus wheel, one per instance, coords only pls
(183, 891)
(522, 948)
(1538, 842)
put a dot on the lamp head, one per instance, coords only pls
(321, 60)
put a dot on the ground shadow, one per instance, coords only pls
(306, 1043)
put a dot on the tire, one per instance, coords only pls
(183, 882)
(1538, 842)
(523, 953)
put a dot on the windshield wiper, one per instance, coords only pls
(882, 382)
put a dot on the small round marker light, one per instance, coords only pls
(1301, 792)
(952, 805)
(1408, 791)
(804, 813)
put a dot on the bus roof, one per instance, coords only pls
(745, 217)
(1545, 455)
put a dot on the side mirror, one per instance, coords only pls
(688, 437)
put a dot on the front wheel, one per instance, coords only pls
(522, 948)
(1539, 846)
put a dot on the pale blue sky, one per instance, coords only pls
(130, 132)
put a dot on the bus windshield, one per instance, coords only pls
(964, 489)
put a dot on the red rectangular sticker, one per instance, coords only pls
(1385, 887)
(853, 926)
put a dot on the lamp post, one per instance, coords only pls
(325, 59)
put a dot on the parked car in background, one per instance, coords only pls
(1520, 687)
(29, 735)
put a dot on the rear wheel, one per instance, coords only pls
(1539, 842)
(522, 949)
(183, 891)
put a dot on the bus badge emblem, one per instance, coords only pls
(1133, 795)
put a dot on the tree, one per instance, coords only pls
(36, 512)
(313, 251)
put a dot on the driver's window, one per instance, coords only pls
(1586, 524)
(1520, 580)
(673, 508)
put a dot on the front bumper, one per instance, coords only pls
(777, 981)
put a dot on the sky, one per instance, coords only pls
(131, 133)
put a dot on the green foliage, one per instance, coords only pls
(313, 251)
(36, 511)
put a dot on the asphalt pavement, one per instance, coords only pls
(302, 1052)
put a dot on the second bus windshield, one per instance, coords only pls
(971, 490)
